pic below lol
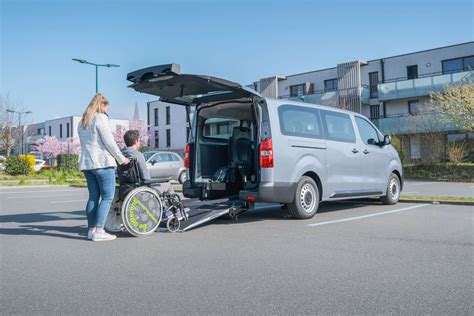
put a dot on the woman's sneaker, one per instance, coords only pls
(102, 236)
(90, 233)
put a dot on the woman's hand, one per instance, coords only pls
(126, 161)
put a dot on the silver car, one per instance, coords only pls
(165, 165)
(257, 149)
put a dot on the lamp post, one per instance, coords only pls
(19, 124)
(83, 61)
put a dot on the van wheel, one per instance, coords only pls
(393, 191)
(182, 177)
(306, 201)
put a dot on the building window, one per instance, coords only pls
(168, 138)
(373, 81)
(297, 90)
(155, 111)
(374, 112)
(68, 128)
(60, 130)
(412, 72)
(415, 147)
(458, 64)
(413, 107)
(157, 140)
(168, 114)
(330, 85)
(49, 130)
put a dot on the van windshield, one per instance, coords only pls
(219, 128)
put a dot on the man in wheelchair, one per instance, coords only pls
(139, 206)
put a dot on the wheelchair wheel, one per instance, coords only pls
(141, 211)
(113, 222)
(173, 224)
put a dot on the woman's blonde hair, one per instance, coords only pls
(97, 105)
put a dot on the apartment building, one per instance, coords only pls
(167, 126)
(392, 91)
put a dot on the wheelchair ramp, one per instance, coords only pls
(199, 215)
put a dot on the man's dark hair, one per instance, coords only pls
(131, 137)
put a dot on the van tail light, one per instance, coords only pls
(266, 153)
(187, 150)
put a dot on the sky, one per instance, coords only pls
(241, 41)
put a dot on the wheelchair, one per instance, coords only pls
(138, 207)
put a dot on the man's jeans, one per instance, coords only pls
(101, 185)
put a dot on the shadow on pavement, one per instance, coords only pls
(45, 230)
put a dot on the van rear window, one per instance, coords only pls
(300, 121)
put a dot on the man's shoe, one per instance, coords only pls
(102, 236)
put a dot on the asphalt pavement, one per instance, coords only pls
(352, 257)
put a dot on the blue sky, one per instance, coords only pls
(237, 40)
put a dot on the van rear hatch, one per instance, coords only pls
(167, 82)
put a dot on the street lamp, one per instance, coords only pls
(19, 124)
(83, 61)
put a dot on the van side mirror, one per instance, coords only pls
(387, 140)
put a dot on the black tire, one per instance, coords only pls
(182, 177)
(392, 195)
(306, 200)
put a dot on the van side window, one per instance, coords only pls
(338, 126)
(300, 121)
(219, 128)
(368, 134)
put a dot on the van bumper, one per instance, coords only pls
(271, 192)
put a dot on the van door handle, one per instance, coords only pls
(355, 151)
(366, 151)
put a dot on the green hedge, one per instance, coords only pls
(15, 166)
(463, 172)
(68, 162)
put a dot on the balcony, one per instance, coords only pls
(332, 98)
(427, 122)
(401, 89)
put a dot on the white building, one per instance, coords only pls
(66, 127)
(167, 126)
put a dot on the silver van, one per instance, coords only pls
(255, 149)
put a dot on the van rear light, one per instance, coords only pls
(187, 150)
(266, 153)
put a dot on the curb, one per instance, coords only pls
(437, 202)
(4, 187)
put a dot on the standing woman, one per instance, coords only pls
(98, 161)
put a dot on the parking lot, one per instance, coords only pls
(352, 257)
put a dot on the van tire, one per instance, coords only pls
(182, 177)
(392, 195)
(306, 201)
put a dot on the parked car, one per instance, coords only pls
(39, 163)
(165, 165)
(266, 150)
(2, 162)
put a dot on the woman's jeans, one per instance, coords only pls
(101, 185)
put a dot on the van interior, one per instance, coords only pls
(226, 148)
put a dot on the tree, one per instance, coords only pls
(9, 131)
(120, 131)
(49, 146)
(456, 105)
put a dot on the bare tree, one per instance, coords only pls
(10, 132)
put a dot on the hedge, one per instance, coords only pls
(68, 162)
(463, 172)
(15, 166)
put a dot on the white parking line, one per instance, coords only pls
(69, 201)
(370, 215)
